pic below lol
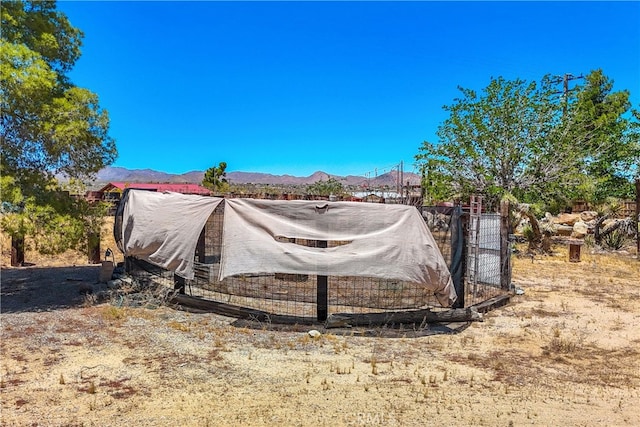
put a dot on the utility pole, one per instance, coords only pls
(565, 88)
(398, 182)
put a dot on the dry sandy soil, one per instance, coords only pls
(567, 352)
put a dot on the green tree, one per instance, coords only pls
(326, 188)
(48, 126)
(518, 139)
(215, 178)
(606, 135)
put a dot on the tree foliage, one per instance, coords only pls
(326, 188)
(611, 145)
(215, 178)
(48, 126)
(519, 138)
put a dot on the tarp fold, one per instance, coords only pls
(163, 228)
(368, 240)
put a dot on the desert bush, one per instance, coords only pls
(589, 241)
(527, 232)
(615, 240)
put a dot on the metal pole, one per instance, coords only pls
(505, 253)
(322, 300)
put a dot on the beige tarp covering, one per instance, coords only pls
(163, 228)
(385, 241)
(262, 236)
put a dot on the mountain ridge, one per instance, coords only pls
(118, 174)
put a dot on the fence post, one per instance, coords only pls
(322, 303)
(505, 255)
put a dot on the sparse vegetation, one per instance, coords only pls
(547, 347)
(615, 240)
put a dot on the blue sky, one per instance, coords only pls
(342, 87)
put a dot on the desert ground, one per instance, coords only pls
(566, 352)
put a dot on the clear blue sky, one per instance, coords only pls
(342, 87)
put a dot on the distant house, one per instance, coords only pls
(113, 190)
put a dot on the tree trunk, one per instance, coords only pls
(17, 251)
(93, 248)
(540, 242)
(597, 235)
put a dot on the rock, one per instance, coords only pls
(564, 230)
(580, 230)
(567, 219)
(314, 333)
(587, 216)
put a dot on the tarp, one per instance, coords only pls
(383, 241)
(267, 236)
(163, 228)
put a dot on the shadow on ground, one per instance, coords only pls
(33, 288)
(386, 331)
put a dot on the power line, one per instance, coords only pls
(565, 87)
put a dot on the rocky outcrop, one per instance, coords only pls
(578, 225)
(566, 219)
(587, 216)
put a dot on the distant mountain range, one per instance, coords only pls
(114, 174)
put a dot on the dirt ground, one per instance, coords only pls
(566, 352)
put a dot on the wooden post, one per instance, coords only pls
(322, 302)
(574, 250)
(505, 253)
(17, 251)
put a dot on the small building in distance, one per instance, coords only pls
(112, 192)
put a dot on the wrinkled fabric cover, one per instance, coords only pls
(386, 241)
(163, 228)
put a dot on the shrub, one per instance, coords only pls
(527, 232)
(615, 240)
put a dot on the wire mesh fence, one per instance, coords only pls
(297, 295)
